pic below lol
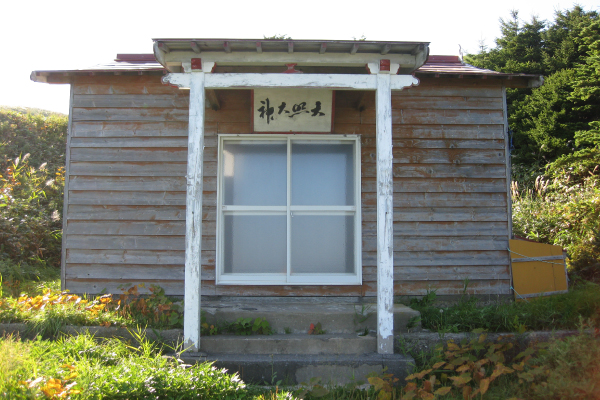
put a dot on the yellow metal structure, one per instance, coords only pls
(537, 269)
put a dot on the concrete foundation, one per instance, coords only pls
(294, 369)
(296, 317)
(290, 344)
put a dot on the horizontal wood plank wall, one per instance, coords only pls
(126, 212)
(450, 218)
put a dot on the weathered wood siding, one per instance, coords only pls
(450, 197)
(126, 194)
(126, 211)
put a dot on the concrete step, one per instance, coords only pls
(338, 343)
(300, 369)
(296, 317)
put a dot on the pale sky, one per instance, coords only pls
(64, 34)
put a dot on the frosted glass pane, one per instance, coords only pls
(255, 244)
(322, 244)
(254, 174)
(322, 174)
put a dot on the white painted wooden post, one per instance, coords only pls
(193, 214)
(385, 216)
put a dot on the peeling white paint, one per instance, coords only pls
(193, 211)
(385, 212)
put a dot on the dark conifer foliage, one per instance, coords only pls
(559, 119)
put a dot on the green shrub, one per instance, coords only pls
(41, 134)
(30, 214)
(563, 311)
(32, 159)
(562, 213)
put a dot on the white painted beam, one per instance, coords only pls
(334, 81)
(354, 48)
(195, 47)
(267, 58)
(259, 47)
(385, 212)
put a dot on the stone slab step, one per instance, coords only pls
(290, 344)
(297, 317)
(300, 369)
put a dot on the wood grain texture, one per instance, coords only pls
(148, 228)
(125, 197)
(447, 273)
(94, 129)
(439, 156)
(126, 212)
(454, 131)
(487, 214)
(384, 240)
(440, 171)
(437, 243)
(443, 229)
(176, 100)
(129, 183)
(128, 154)
(444, 200)
(148, 141)
(440, 258)
(131, 168)
(194, 242)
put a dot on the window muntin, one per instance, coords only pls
(303, 227)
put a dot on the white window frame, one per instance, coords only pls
(287, 278)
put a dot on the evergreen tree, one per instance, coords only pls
(519, 49)
(562, 40)
(544, 122)
(585, 97)
(560, 118)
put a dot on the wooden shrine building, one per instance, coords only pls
(288, 168)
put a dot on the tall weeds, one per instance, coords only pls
(562, 213)
(32, 156)
(30, 220)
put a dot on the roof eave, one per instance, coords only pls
(172, 53)
(64, 76)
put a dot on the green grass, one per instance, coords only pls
(81, 367)
(564, 311)
(112, 369)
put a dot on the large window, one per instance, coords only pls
(288, 210)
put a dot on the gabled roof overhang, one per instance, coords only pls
(442, 67)
(172, 53)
